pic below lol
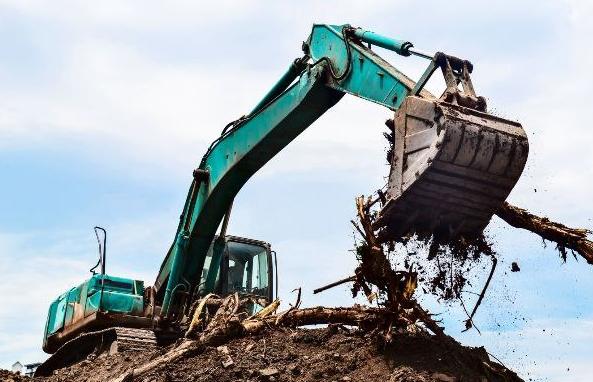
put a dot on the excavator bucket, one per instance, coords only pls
(452, 167)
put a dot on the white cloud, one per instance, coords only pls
(34, 274)
(30, 281)
(133, 14)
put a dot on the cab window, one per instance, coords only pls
(248, 269)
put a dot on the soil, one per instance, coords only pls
(8, 376)
(328, 354)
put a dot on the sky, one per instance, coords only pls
(107, 107)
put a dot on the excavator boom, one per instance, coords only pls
(452, 164)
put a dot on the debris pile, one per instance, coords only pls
(8, 376)
(333, 353)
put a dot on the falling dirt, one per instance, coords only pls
(445, 267)
(333, 353)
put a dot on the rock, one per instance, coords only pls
(443, 377)
(223, 349)
(268, 372)
(227, 362)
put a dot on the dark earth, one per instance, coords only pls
(328, 354)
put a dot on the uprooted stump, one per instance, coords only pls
(375, 268)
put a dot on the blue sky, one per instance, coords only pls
(105, 109)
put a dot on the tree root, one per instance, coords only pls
(375, 267)
(574, 239)
(229, 323)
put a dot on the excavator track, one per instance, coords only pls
(112, 340)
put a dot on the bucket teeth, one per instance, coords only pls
(451, 168)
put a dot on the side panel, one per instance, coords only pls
(77, 308)
(73, 306)
(55, 315)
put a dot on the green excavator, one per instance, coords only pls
(452, 166)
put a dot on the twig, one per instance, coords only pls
(296, 305)
(358, 229)
(334, 284)
(499, 361)
(469, 321)
(298, 300)
(473, 325)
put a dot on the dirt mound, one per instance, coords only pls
(331, 353)
(9, 376)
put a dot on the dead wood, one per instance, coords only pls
(224, 325)
(334, 284)
(355, 316)
(196, 318)
(574, 239)
(470, 319)
(227, 324)
(375, 268)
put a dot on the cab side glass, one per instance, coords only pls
(248, 269)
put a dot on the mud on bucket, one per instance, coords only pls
(451, 168)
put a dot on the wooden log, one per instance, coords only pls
(565, 237)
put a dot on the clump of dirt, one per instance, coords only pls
(333, 353)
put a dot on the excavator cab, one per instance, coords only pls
(246, 267)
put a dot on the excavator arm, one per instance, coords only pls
(336, 61)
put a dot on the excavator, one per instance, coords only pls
(452, 166)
